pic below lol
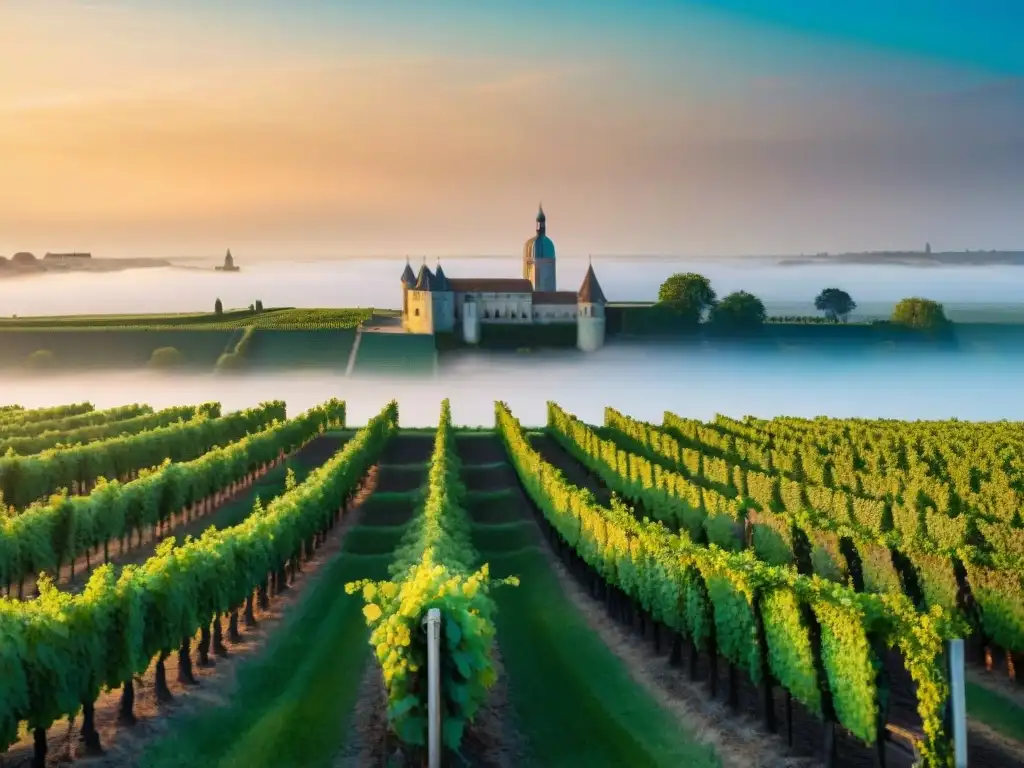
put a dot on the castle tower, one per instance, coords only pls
(590, 320)
(420, 314)
(408, 281)
(539, 257)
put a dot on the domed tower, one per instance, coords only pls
(408, 281)
(539, 257)
(590, 322)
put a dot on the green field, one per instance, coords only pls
(281, 319)
(238, 341)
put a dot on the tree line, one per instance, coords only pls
(691, 296)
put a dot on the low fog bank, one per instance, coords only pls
(642, 381)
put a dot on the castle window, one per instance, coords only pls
(497, 313)
(487, 314)
(417, 312)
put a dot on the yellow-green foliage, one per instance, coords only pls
(434, 569)
(639, 556)
(61, 650)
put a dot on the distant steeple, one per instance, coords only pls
(541, 220)
(228, 261)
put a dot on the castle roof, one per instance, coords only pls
(408, 276)
(441, 281)
(425, 280)
(490, 285)
(554, 297)
(590, 292)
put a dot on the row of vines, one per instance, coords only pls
(897, 543)
(58, 652)
(14, 416)
(116, 426)
(47, 536)
(434, 568)
(27, 479)
(816, 639)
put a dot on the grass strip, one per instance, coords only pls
(576, 701)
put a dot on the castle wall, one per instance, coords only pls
(443, 311)
(420, 315)
(544, 314)
(499, 307)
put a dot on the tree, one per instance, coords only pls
(835, 303)
(920, 314)
(218, 307)
(739, 311)
(166, 357)
(41, 359)
(688, 294)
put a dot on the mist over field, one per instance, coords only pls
(642, 380)
(375, 282)
(978, 380)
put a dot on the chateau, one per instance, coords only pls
(434, 303)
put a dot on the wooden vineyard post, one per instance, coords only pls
(957, 701)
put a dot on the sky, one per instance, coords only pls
(333, 128)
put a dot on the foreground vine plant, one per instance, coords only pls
(433, 569)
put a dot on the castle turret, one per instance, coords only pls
(539, 257)
(590, 320)
(408, 281)
(419, 316)
(443, 300)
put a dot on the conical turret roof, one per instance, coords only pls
(425, 279)
(590, 291)
(408, 276)
(441, 280)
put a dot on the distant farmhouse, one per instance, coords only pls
(434, 303)
(66, 256)
(229, 264)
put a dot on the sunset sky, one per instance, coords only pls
(317, 127)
